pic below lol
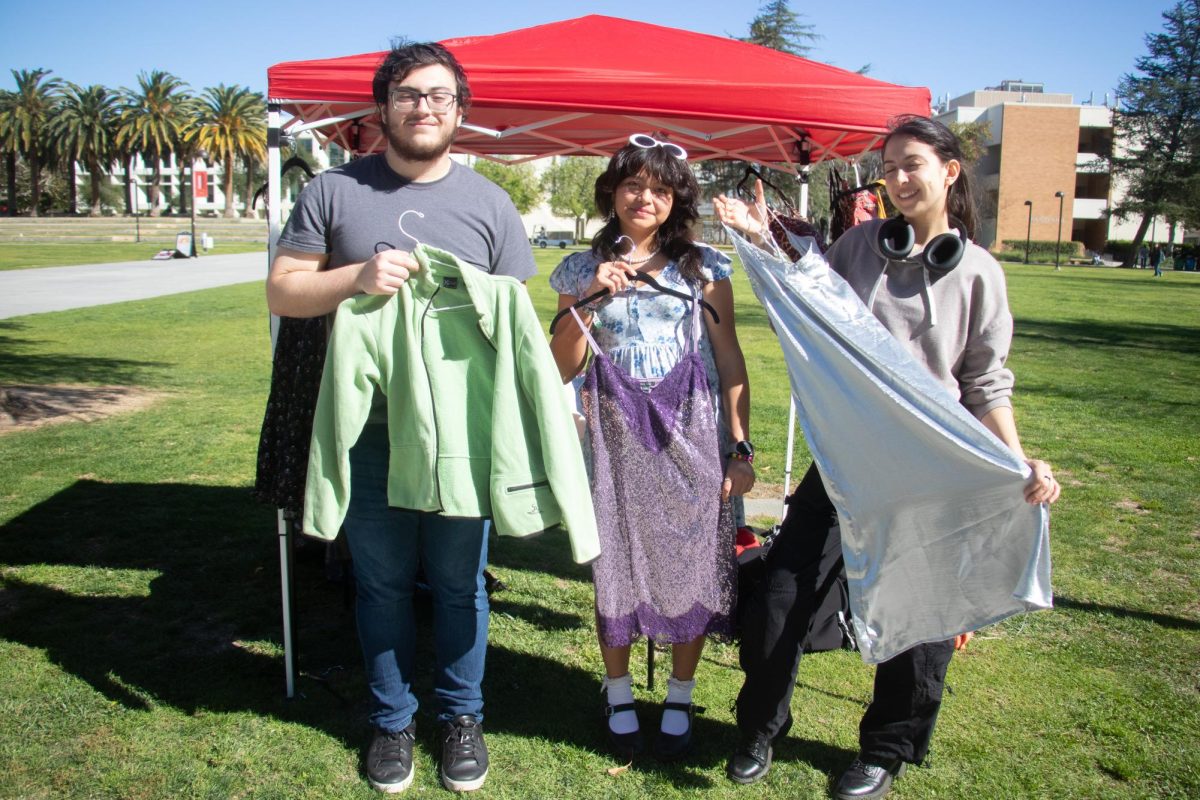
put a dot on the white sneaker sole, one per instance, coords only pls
(463, 786)
(393, 788)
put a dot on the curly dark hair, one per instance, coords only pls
(675, 238)
(406, 56)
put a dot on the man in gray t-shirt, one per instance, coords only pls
(350, 212)
(352, 232)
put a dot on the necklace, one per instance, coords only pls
(644, 259)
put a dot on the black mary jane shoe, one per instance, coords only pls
(671, 746)
(625, 744)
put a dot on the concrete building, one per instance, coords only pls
(1041, 144)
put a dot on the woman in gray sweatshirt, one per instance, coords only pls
(944, 298)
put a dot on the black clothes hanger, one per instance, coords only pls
(741, 190)
(649, 281)
(873, 186)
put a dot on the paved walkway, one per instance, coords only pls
(36, 291)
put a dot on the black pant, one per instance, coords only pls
(908, 688)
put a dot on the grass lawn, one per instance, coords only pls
(140, 651)
(30, 256)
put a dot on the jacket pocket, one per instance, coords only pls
(523, 505)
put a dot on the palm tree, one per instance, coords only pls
(232, 124)
(8, 146)
(27, 113)
(83, 132)
(152, 122)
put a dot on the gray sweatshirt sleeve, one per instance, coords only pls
(983, 379)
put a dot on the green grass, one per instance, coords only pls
(139, 632)
(29, 256)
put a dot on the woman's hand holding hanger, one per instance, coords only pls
(612, 275)
(750, 220)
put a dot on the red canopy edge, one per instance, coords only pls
(581, 86)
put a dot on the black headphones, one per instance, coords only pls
(942, 254)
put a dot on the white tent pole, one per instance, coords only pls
(803, 207)
(791, 423)
(284, 527)
(283, 524)
(787, 467)
(274, 196)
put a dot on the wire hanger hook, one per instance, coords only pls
(400, 223)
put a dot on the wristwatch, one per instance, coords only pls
(743, 451)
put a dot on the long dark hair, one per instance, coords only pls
(674, 235)
(960, 203)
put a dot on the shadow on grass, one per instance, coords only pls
(569, 710)
(1163, 620)
(168, 595)
(25, 367)
(203, 636)
(1092, 333)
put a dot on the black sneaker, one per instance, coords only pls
(464, 754)
(390, 758)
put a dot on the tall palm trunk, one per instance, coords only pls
(185, 190)
(155, 184)
(230, 210)
(94, 189)
(249, 195)
(129, 185)
(35, 184)
(72, 190)
(11, 163)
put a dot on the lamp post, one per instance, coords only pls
(192, 188)
(1058, 246)
(195, 189)
(1028, 229)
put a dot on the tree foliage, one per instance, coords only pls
(231, 124)
(972, 138)
(780, 28)
(24, 122)
(82, 129)
(571, 186)
(519, 180)
(153, 120)
(1157, 123)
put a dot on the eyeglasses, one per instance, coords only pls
(439, 100)
(646, 141)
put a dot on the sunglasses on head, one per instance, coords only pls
(646, 141)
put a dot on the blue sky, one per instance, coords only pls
(1071, 46)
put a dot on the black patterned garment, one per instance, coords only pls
(287, 425)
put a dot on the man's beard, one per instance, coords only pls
(410, 151)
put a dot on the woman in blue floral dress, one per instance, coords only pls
(667, 567)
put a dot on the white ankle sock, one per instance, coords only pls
(619, 692)
(676, 722)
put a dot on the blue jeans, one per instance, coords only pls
(387, 544)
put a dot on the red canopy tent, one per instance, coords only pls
(580, 87)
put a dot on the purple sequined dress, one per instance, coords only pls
(666, 568)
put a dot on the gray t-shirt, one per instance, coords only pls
(353, 211)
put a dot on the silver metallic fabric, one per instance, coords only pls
(937, 536)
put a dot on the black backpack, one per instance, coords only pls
(830, 628)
